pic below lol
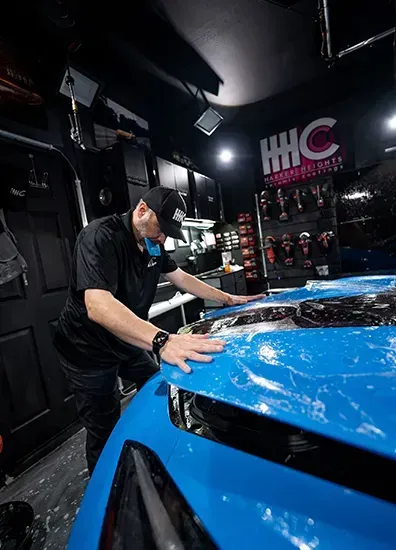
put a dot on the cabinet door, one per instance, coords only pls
(136, 173)
(166, 174)
(228, 283)
(202, 201)
(181, 179)
(211, 194)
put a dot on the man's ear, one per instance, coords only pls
(142, 209)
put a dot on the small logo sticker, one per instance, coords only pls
(179, 215)
(152, 262)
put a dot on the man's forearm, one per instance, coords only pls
(111, 314)
(194, 286)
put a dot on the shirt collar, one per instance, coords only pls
(127, 221)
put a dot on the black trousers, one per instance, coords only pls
(97, 396)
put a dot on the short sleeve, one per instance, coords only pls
(97, 265)
(168, 265)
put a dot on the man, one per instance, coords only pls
(103, 329)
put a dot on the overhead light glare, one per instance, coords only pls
(392, 123)
(226, 156)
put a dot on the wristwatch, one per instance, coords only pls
(159, 341)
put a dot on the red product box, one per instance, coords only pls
(249, 252)
(252, 275)
(250, 264)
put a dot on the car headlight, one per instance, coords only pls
(146, 509)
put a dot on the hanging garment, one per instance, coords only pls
(12, 263)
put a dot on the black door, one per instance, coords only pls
(181, 179)
(36, 402)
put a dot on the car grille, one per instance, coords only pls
(284, 444)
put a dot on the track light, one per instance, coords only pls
(226, 156)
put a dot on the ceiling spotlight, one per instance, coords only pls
(225, 156)
(209, 121)
(392, 123)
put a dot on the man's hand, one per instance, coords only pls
(232, 300)
(181, 347)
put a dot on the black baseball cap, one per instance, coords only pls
(170, 208)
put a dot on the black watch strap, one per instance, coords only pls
(159, 341)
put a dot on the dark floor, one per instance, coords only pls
(54, 488)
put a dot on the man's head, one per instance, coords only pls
(160, 214)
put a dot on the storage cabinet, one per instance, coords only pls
(233, 283)
(191, 186)
(182, 185)
(176, 177)
(136, 173)
(202, 203)
(211, 196)
(166, 173)
(206, 197)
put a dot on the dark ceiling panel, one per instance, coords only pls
(355, 20)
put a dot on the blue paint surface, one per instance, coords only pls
(337, 382)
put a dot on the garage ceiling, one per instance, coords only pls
(240, 52)
(260, 49)
(257, 48)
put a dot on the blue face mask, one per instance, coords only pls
(152, 248)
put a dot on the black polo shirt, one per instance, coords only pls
(106, 256)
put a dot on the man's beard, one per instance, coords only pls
(140, 231)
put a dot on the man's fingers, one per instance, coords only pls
(200, 336)
(207, 348)
(217, 342)
(183, 366)
(239, 300)
(257, 297)
(199, 358)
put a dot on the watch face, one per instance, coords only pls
(160, 339)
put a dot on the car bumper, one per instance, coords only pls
(242, 501)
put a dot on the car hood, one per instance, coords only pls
(322, 358)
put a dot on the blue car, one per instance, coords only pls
(287, 440)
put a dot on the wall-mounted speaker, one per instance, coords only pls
(104, 182)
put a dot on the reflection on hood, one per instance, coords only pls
(352, 311)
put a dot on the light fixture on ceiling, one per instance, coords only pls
(85, 89)
(80, 89)
(209, 121)
(392, 123)
(198, 224)
(226, 156)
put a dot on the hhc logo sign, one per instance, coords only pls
(288, 150)
(292, 146)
